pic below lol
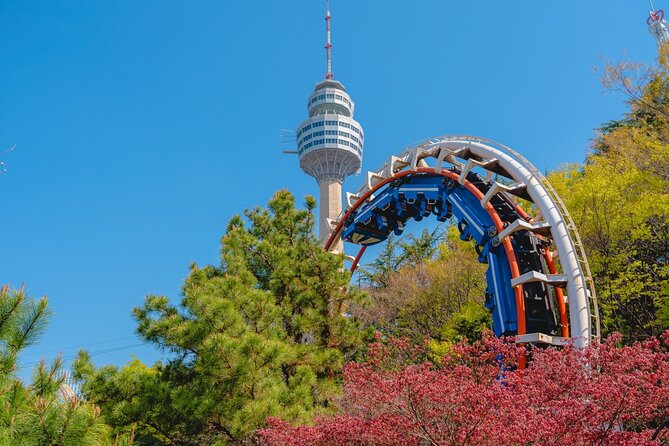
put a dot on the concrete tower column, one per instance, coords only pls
(329, 207)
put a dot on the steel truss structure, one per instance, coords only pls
(481, 183)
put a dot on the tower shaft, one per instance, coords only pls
(329, 209)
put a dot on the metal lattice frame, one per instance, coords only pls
(465, 153)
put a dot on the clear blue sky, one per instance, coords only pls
(143, 126)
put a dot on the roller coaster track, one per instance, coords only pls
(479, 182)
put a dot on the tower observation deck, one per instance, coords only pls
(330, 142)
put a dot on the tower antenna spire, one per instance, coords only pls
(328, 44)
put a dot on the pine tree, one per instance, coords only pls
(257, 336)
(42, 413)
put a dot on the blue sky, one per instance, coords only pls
(143, 126)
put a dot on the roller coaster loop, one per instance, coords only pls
(478, 183)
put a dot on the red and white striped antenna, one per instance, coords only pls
(657, 25)
(328, 45)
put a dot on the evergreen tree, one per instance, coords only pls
(42, 413)
(397, 253)
(257, 336)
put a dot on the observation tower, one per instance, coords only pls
(657, 25)
(329, 142)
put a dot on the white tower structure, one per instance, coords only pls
(329, 142)
(657, 25)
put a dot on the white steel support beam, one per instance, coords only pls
(559, 280)
(541, 228)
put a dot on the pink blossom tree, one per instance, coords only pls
(605, 395)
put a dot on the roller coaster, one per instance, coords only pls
(539, 285)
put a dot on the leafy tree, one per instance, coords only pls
(257, 336)
(427, 287)
(620, 202)
(42, 413)
(604, 395)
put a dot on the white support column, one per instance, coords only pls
(329, 208)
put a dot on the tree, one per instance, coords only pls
(620, 202)
(398, 253)
(427, 287)
(604, 395)
(40, 413)
(257, 336)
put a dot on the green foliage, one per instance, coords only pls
(427, 287)
(620, 202)
(43, 413)
(470, 322)
(22, 321)
(398, 253)
(258, 336)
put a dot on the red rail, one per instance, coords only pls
(497, 221)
